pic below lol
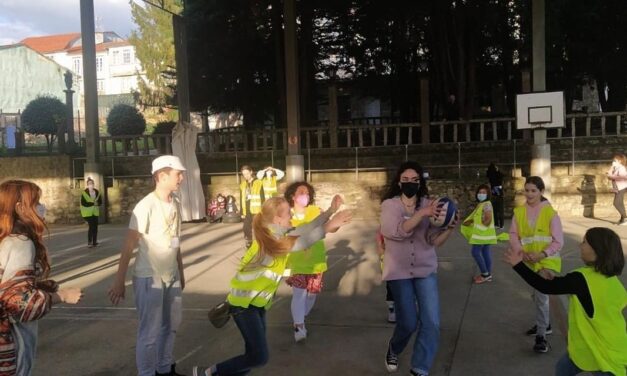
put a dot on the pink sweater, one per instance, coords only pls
(407, 254)
(532, 214)
(621, 171)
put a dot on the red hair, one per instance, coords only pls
(25, 220)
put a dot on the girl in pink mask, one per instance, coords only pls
(308, 265)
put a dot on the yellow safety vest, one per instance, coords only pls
(314, 259)
(536, 240)
(254, 195)
(269, 186)
(599, 343)
(258, 285)
(478, 233)
(90, 211)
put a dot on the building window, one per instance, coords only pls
(100, 86)
(126, 56)
(115, 57)
(76, 64)
(99, 64)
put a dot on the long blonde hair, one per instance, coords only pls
(26, 221)
(269, 245)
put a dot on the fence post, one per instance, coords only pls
(572, 154)
(514, 154)
(356, 163)
(459, 160)
(405, 152)
(309, 163)
(236, 168)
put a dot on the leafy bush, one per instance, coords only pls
(42, 116)
(164, 127)
(125, 120)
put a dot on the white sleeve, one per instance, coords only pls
(16, 254)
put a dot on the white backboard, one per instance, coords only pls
(540, 110)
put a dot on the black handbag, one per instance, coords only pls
(220, 314)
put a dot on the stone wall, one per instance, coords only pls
(582, 190)
(53, 174)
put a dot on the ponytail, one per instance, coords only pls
(269, 245)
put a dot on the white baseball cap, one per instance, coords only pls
(167, 161)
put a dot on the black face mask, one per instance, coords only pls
(410, 189)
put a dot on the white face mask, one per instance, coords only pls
(481, 197)
(41, 210)
(615, 164)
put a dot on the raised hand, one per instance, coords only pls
(336, 202)
(339, 219)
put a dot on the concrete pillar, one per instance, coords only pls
(294, 160)
(424, 109)
(526, 88)
(333, 115)
(294, 170)
(92, 166)
(540, 151)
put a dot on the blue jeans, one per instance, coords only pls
(160, 309)
(408, 292)
(566, 367)
(481, 253)
(251, 322)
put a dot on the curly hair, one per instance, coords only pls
(290, 192)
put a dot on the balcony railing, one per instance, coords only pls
(367, 132)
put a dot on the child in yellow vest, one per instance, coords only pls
(306, 266)
(478, 229)
(536, 230)
(597, 340)
(260, 273)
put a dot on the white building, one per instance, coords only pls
(116, 65)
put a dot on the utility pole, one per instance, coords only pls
(92, 166)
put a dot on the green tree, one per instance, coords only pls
(124, 120)
(42, 116)
(154, 47)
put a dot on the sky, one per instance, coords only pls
(20, 19)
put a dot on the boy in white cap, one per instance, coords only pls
(158, 278)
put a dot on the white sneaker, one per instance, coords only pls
(300, 334)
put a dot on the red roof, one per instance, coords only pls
(50, 43)
(100, 47)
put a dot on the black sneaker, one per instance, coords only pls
(416, 373)
(541, 346)
(534, 330)
(391, 360)
(171, 373)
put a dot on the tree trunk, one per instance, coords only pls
(279, 59)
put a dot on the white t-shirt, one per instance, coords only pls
(18, 253)
(159, 226)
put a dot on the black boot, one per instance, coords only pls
(171, 373)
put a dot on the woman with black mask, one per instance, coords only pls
(410, 266)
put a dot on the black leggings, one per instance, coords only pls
(92, 233)
(619, 202)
